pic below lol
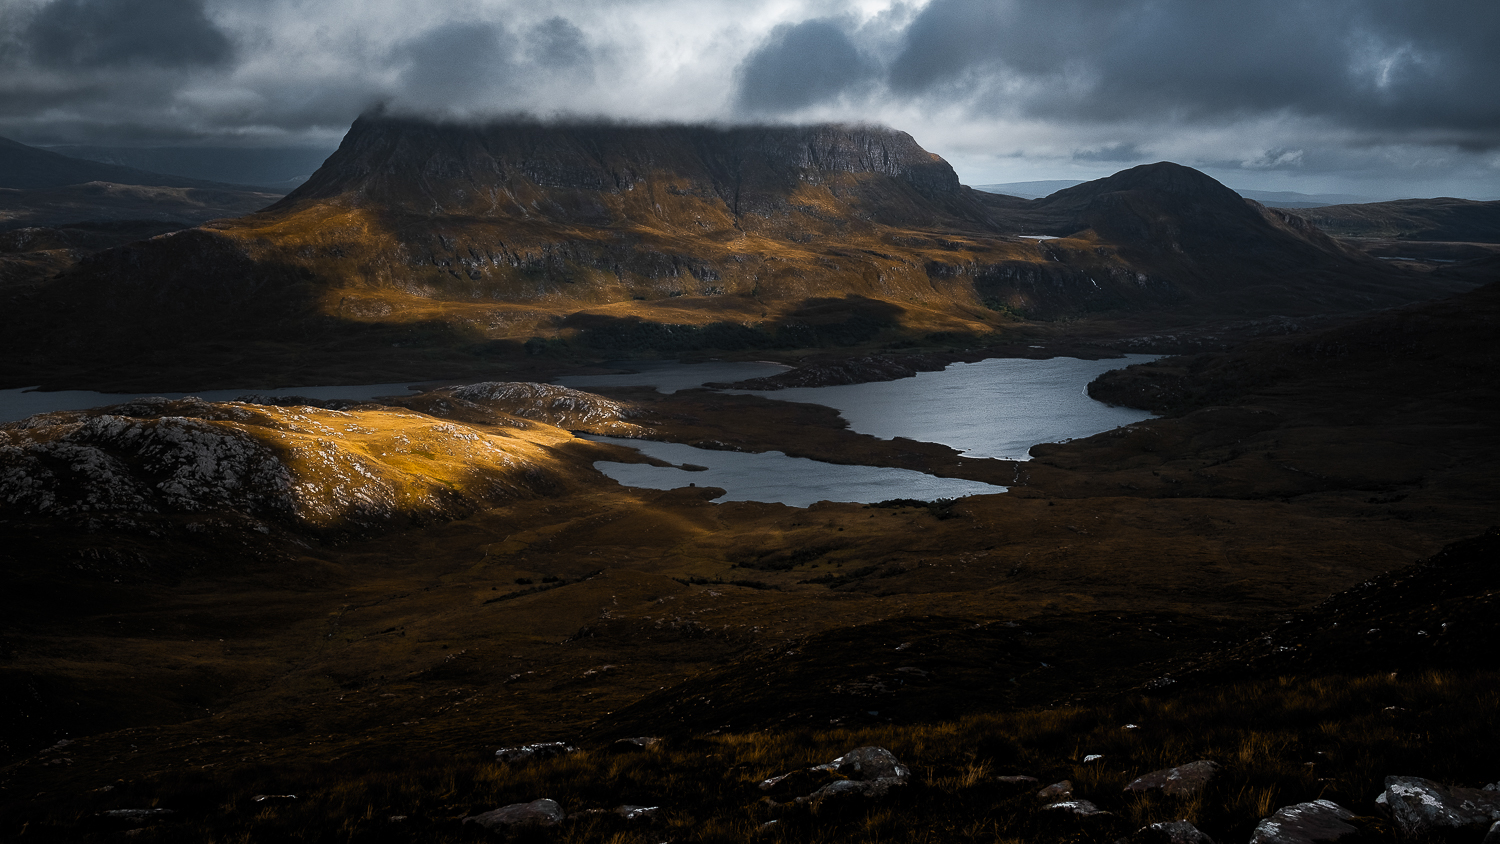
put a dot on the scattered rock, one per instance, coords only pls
(541, 812)
(1170, 832)
(533, 752)
(1304, 823)
(1016, 779)
(1078, 807)
(868, 764)
(637, 813)
(865, 771)
(631, 745)
(1182, 781)
(1056, 791)
(141, 815)
(263, 798)
(1421, 807)
(1092, 757)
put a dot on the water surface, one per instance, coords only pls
(999, 407)
(775, 477)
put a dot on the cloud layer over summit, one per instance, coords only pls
(1391, 95)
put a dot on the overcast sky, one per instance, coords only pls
(1376, 97)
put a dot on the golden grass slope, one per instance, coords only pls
(304, 467)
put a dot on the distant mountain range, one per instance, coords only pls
(484, 242)
(1274, 199)
(279, 168)
(41, 188)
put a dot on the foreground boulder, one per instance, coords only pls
(1170, 832)
(1304, 823)
(1182, 781)
(541, 812)
(1421, 807)
(864, 771)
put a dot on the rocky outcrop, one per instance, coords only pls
(1056, 791)
(300, 467)
(1170, 832)
(543, 812)
(1305, 823)
(533, 752)
(1421, 807)
(864, 772)
(1182, 781)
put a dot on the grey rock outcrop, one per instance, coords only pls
(1422, 807)
(533, 752)
(1077, 807)
(1056, 791)
(1304, 823)
(543, 812)
(864, 771)
(1182, 781)
(1170, 832)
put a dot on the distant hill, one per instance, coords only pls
(29, 168)
(1273, 199)
(1443, 219)
(481, 242)
(279, 168)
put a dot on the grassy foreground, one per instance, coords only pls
(1281, 741)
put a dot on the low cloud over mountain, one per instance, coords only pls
(1338, 94)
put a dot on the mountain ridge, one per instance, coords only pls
(510, 240)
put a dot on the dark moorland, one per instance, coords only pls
(286, 620)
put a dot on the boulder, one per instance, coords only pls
(1304, 823)
(637, 813)
(541, 812)
(533, 752)
(1170, 832)
(864, 771)
(868, 764)
(1182, 781)
(1421, 807)
(1077, 807)
(1493, 836)
(1056, 791)
(632, 745)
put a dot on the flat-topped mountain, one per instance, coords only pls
(486, 242)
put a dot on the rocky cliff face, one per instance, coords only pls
(521, 238)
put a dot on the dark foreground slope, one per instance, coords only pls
(465, 247)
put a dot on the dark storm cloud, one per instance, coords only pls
(557, 43)
(111, 33)
(454, 63)
(1372, 64)
(800, 65)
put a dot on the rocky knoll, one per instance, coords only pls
(301, 467)
(518, 240)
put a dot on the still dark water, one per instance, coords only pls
(996, 408)
(773, 476)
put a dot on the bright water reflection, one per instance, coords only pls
(994, 408)
(19, 404)
(773, 476)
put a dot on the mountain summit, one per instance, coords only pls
(482, 241)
